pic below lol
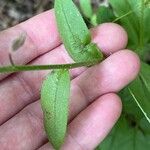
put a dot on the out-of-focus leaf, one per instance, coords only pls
(86, 8)
(127, 135)
(147, 26)
(130, 22)
(134, 16)
(105, 14)
(54, 100)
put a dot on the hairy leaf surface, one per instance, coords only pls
(54, 100)
(74, 32)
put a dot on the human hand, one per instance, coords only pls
(94, 106)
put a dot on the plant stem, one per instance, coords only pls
(15, 68)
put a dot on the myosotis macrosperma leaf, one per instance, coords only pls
(54, 100)
(74, 32)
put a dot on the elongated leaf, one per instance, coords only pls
(54, 101)
(86, 8)
(74, 32)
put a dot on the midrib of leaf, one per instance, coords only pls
(145, 114)
(69, 24)
(55, 110)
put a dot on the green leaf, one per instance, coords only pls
(127, 135)
(133, 15)
(130, 22)
(86, 8)
(74, 32)
(54, 100)
(140, 90)
(105, 14)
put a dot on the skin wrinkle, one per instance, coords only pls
(24, 84)
(77, 143)
(78, 101)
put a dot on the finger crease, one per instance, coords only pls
(24, 84)
(76, 142)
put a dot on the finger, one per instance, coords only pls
(25, 131)
(41, 36)
(92, 125)
(27, 84)
(110, 32)
(111, 75)
(29, 121)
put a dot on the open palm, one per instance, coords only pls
(94, 106)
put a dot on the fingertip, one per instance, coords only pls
(120, 69)
(113, 101)
(110, 37)
(132, 62)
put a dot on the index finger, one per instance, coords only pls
(41, 36)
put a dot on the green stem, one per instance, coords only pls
(13, 69)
